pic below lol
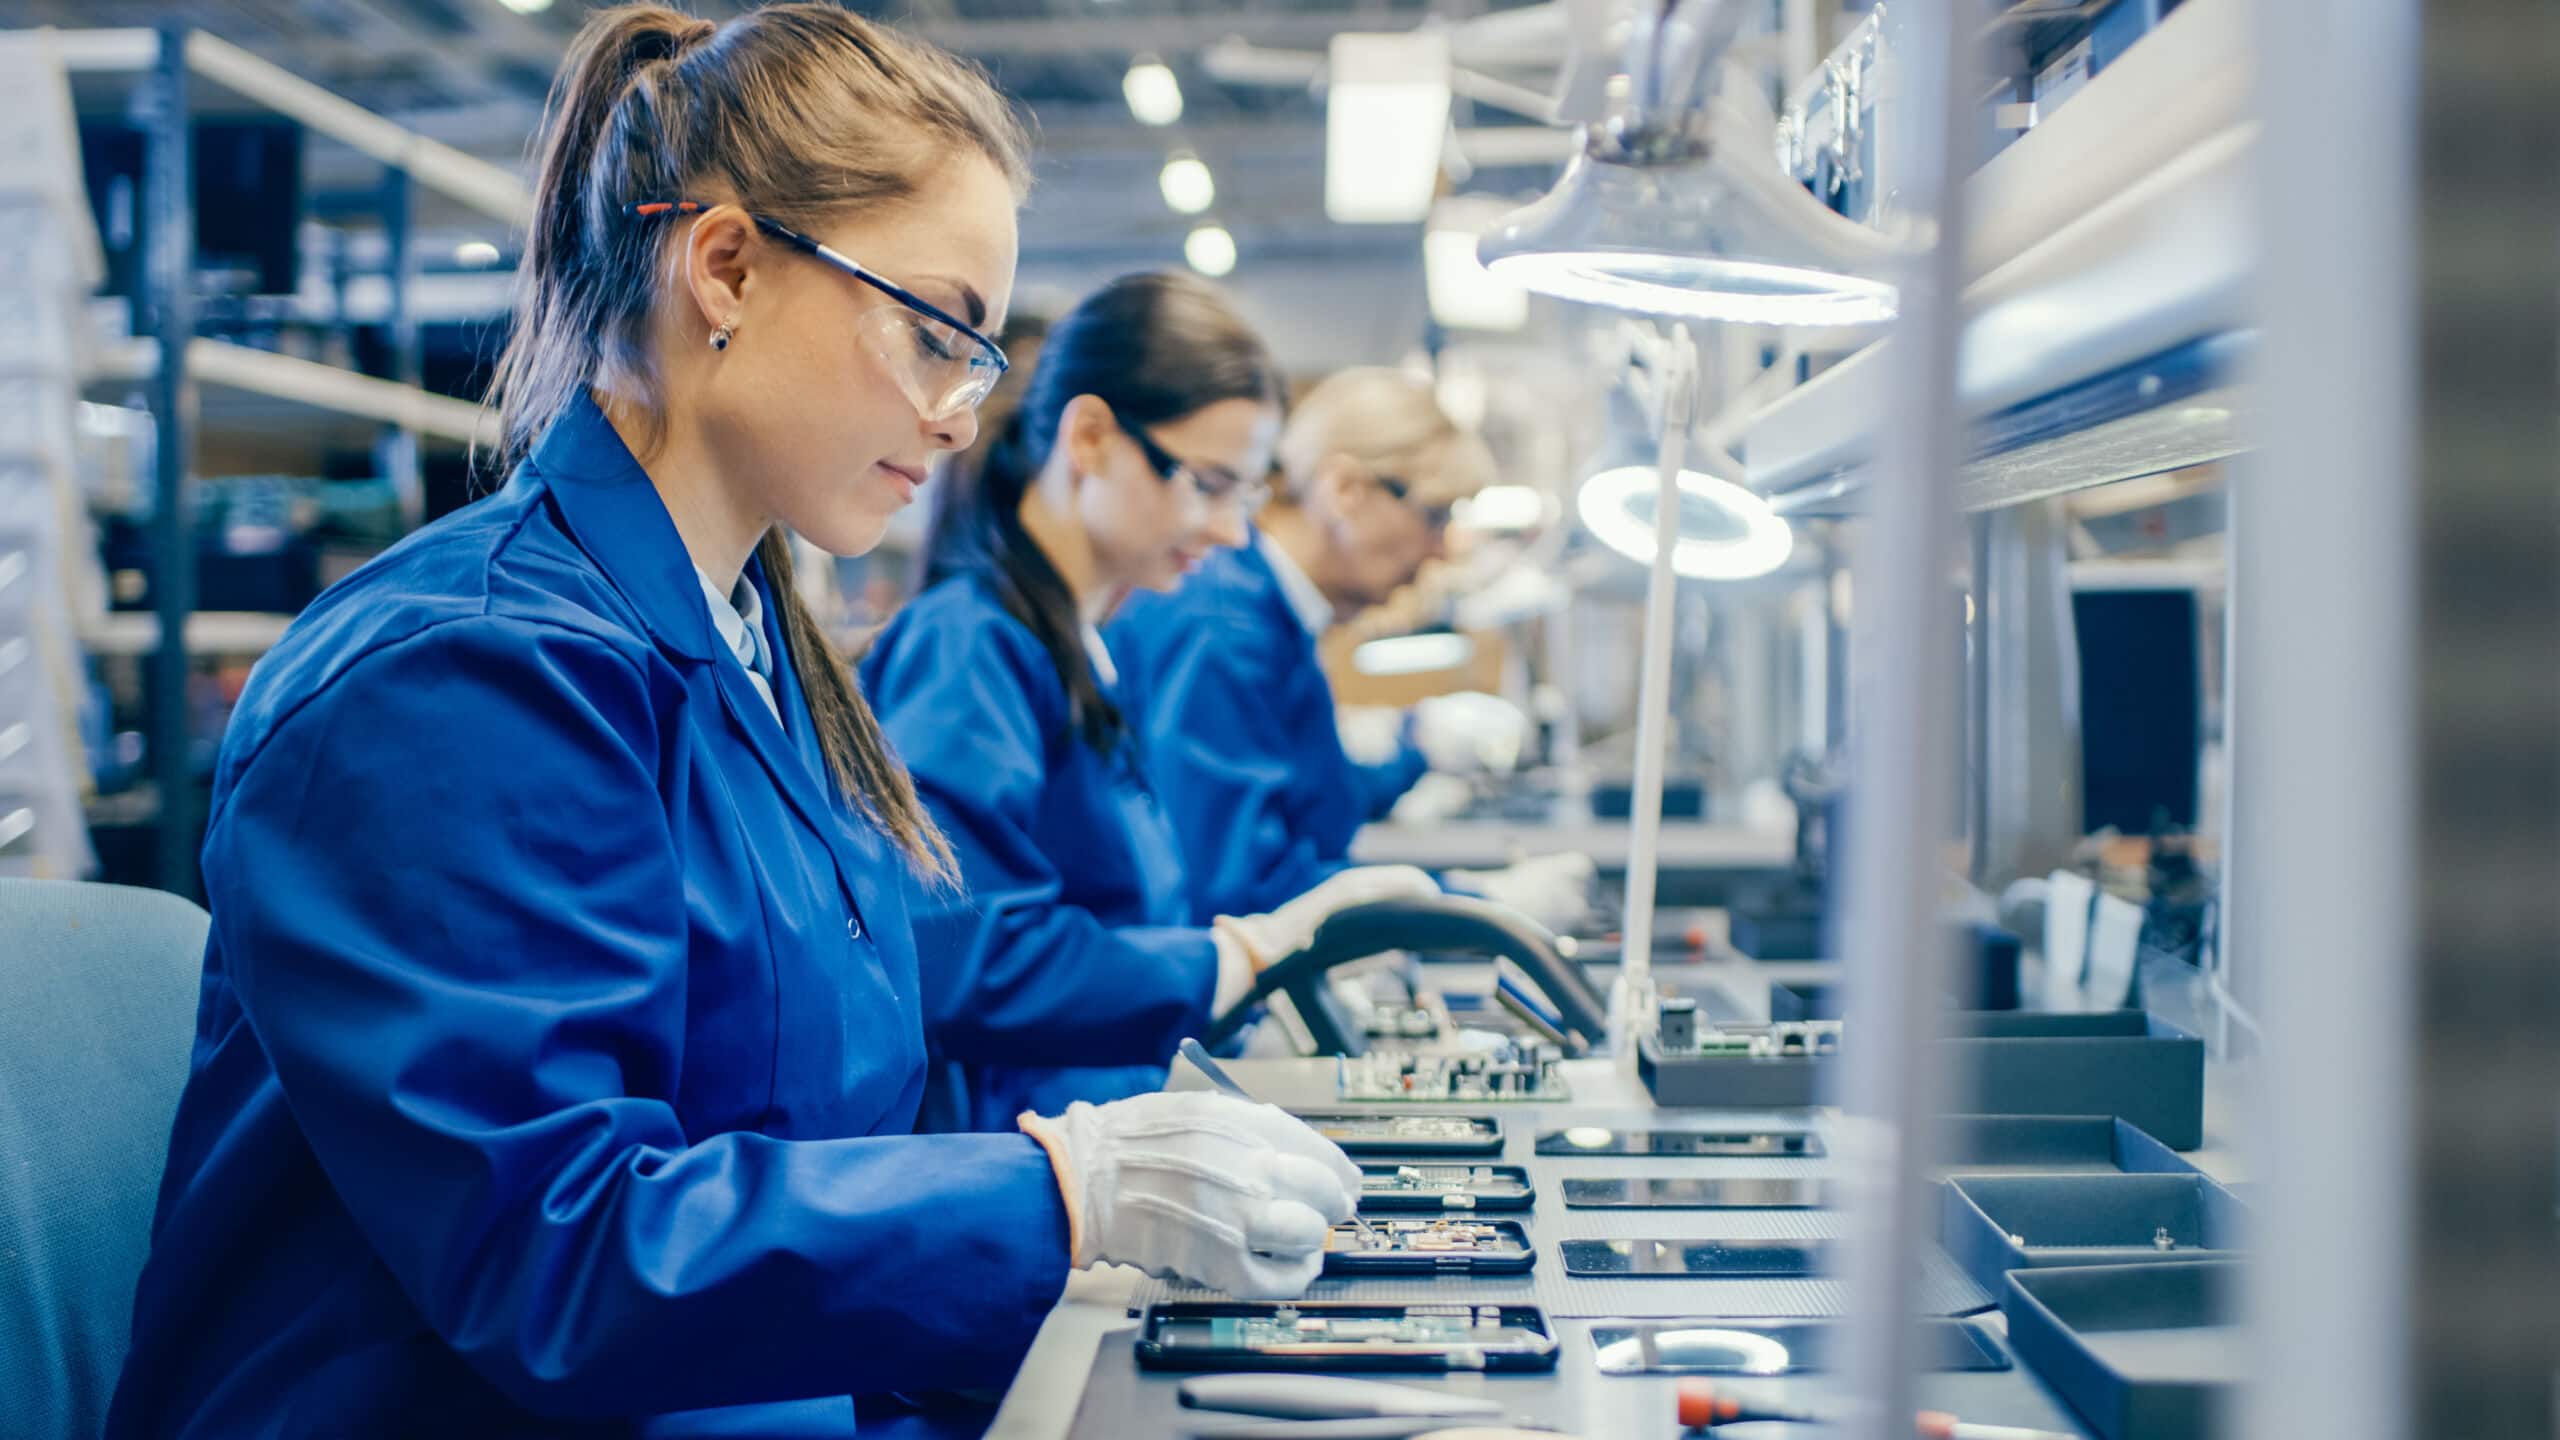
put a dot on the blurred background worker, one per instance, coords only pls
(1071, 965)
(1238, 718)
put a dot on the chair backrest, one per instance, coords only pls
(97, 1007)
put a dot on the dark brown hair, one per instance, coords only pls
(803, 112)
(1155, 348)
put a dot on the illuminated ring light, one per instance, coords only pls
(1742, 1350)
(1413, 654)
(1750, 539)
(1740, 292)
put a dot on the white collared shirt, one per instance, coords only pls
(739, 617)
(1104, 668)
(1305, 600)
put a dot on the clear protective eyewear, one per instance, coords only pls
(942, 363)
(1434, 517)
(1214, 484)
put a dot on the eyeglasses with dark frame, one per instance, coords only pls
(1437, 517)
(949, 366)
(1214, 484)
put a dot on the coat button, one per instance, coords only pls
(853, 927)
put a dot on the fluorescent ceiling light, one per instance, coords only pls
(1725, 532)
(1386, 117)
(527, 7)
(478, 254)
(1664, 222)
(1188, 187)
(1503, 507)
(1413, 654)
(1211, 250)
(1463, 294)
(1154, 96)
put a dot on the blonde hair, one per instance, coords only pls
(803, 112)
(1390, 424)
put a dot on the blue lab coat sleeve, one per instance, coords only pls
(482, 1040)
(1014, 974)
(1237, 766)
(1381, 785)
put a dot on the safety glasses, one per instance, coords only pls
(1436, 517)
(1215, 484)
(942, 363)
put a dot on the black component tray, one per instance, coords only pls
(1374, 1134)
(2143, 1352)
(1993, 1224)
(2050, 1144)
(2118, 1062)
(1489, 1189)
(1187, 1336)
(1519, 1257)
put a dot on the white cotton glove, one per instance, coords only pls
(1554, 890)
(1264, 940)
(1434, 798)
(1470, 731)
(1199, 1186)
(1371, 734)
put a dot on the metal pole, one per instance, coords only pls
(2396, 779)
(399, 447)
(1631, 998)
(166, 304)
(1895, 951)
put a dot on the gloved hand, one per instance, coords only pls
(1199, 1186)
(1371, 734)
(1433, 798)
(1265, 939)
(1554, 890)
(1470, 731)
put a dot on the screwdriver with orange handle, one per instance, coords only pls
(1703, 1405)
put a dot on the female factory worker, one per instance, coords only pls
(1140, 447)
(559, 1034)
(1238, 717)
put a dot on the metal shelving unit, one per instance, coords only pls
(171, 76)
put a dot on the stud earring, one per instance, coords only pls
(720, 338)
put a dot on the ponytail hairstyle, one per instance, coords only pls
(1155, 348)
(804, 112)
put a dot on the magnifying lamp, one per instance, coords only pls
(1675, 206)
(1723, 531)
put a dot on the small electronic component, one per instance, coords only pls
(1437, 1237)
(1787, 1039)
(1405, 1022)
(1445, 1246)
(1529, 1072)
(1419, 1326)
(1445, 1187)
(1678, 1027)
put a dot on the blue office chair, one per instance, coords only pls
(97, 1012)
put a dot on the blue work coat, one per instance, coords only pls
(1069, 970)
(1241, 740)
(559, 1036)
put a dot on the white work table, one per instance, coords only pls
(1483, 844)
(1081, 1368)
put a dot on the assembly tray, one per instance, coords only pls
(1993, 1224)
(2143, 1352)
(2050, 1144)
(2117, 1062)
